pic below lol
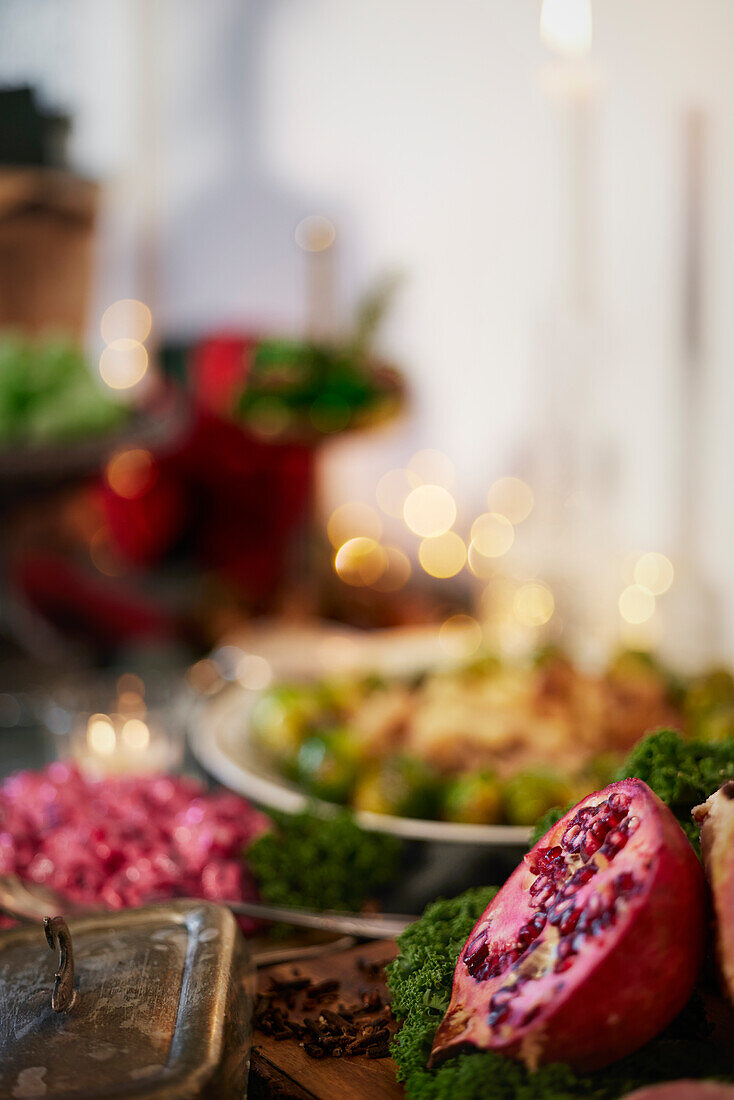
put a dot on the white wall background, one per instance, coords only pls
(421, 129)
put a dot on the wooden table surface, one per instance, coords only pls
(281, 1069)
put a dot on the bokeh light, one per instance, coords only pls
(135, 734)
(460, 635)
(129, 683)
(352, 519)
(127, 319)
(443, 555)
(101, 735)
(254, 672)
(431, 467)
(397, 571)
(360, 561)
(654, 572)
(204, 677)
(492, 534)
(566, 25)
(131, 473)
(123, 364)
(392, 490)
(512, 498)
(636, 604)
(429, 510)
(315, 234)
(533, 604)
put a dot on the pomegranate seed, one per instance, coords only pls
(483, 972)
(540, 883)
(569, 920)
(476, 958)
(570, 834)
(599, 829)
(540, 900)
(578, 942)
(530, 931)
(498, 1014)
(584, 874)
(625, 884)
(619, 802)
(591, 845)
(593, 905)
(479, 942)
(503, 996)
(602, 922)
(563, 964)
(565, 948)
(575, 846)
(615, 842)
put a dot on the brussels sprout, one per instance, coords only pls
(710, 690)
(716, 724)
(640, 666)
(529, 795)
(282, 718)
(346, 693)
(475, 798)
(327, 765)
(401, 786)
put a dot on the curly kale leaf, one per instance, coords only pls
(322, 863)
(682, 773)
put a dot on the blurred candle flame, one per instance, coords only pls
(123, 364)
(126, 319)
(443, 555)
(429, 510)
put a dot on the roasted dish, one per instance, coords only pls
(490, 742)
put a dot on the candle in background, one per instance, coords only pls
(692, 613)
(128, 734)
(573, 467)
(316, 235)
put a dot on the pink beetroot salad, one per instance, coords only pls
(123, 841)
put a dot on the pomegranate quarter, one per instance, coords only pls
(593, 944)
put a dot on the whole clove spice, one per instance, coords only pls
(349, 1031)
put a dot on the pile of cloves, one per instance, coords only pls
(341, 1032)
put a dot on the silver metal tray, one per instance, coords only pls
(163, 1008)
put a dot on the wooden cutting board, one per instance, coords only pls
(282, 1069)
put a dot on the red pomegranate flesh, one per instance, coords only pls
(593, 944)
(716, 817)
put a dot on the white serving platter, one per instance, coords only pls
(221, 740)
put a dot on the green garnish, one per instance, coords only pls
(420, 982)
(683, 773)
(322, 863)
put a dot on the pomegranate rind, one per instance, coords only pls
(684, 1090)
(716, 817)
(626, 983)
